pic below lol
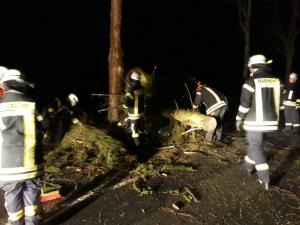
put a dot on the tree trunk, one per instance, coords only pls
(288, 63)
(245, 10)
(246, 53)
(115, 64)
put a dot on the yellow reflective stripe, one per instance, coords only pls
(18, 170)
(289, 103)
(39, 118)
(17, 177)
(247, 159)
(261, 123)
(20, 107)
(215, 106)
(31, 210)
(129, 95)
(261, 167)
(139, 92)
(16, 216)
(248, 87)
(134, 116)
(135, 135)
(290, 94)
(213, 93)
(29, 140)
(50, 109)
(261, 128)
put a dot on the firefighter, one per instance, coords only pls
(134, 102)
(2, 71)
(61, 115)
(215, 104)
(21, 161)
(258, 113)
(290, 96)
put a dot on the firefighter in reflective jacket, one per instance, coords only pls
(134, 102)
(290, 96)
(215, 104)
(62, 118)
(21, 159)
(258, 113)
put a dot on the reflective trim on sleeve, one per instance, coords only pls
(134, 116)
(135, 135)
(243, 109)
(39, 118)
(248, 87)
(289, 103)
(129, 95)
(261, 167)
(238, 118)
(247, 159)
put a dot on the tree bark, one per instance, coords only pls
(245, 10)
(115, 63)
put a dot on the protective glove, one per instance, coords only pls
(239, 125)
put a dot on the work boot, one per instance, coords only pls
(287, 129)
(264, 185)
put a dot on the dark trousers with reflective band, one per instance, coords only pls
(219, 115)
(137, 128)
(255, 156)
(21, 201)
(291, 116)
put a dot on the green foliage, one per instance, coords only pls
(87, 144)
(52, 169)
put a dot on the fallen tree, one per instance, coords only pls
(196, 121)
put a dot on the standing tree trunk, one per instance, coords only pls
(286, 28)
(115, 63)
(245, 10)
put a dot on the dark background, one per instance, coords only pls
(63, 46)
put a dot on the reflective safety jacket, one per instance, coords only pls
(134, 102)
(211, 98)
(290, 95)
(20, 136)
(259, 102)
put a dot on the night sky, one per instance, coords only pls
(63, 45)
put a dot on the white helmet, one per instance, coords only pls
(258, 59)
(73, 99)
(12, 74)
(135, 76)
(293, 76)
(2, 71)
